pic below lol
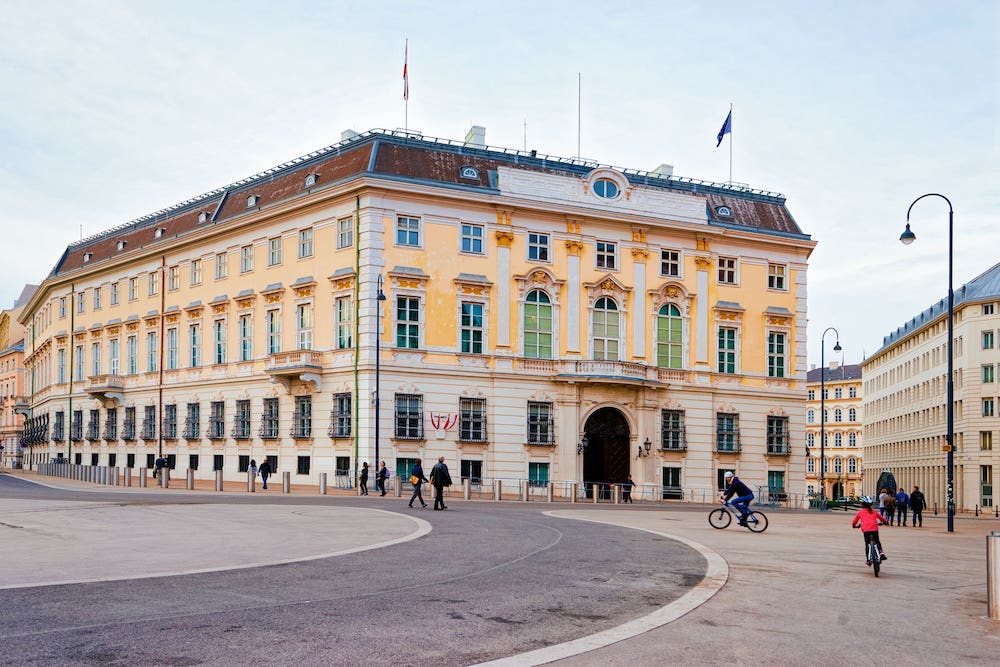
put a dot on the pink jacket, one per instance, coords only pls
(869, 520)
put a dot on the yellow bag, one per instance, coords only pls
(414, 480)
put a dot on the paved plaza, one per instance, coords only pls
(95, 575)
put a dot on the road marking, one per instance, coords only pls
(715, 578)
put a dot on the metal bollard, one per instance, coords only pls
(399, 486)
(574, 488)
(467, 488)
(128, 477)
(114, 476)
(218, 480)
(993, 574)
(189, 479)
(527, 490)
(251, 482)
(322, 484)
(165, 478)
(549, 492)
(595, 490)
(286, 482)
(142, 478)
(616, 494)
(104, 474)
(498, 490)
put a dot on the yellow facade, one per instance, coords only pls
(842, 429)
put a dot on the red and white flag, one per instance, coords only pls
(406, 80)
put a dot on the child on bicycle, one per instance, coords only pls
(869, 521)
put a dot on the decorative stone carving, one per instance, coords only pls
(574, 247)
(703, 263)
(504, 238)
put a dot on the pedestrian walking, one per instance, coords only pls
(440, 478)
(881, 501)
(416, 479)
(265, 472)
(917, 505)
(252, 469)
(890, 508)
(902, 502)
(159, 465)
(627, 489)
(363, 480)
(380, 477)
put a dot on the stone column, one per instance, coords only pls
(573, 326)
(639, 256)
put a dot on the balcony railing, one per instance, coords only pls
(778, 449)
(603, 370)
(241, 429)
(302, 365)
(106, 386)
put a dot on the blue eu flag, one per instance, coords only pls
(727, 128)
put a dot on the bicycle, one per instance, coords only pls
(874, 556)
(721, 517)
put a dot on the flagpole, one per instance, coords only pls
(730, 143)
(406, 89)
(579, 106)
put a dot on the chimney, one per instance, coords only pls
(834, 365)
(812, 367)
(663, 171)
(476, 137)
(348, 134)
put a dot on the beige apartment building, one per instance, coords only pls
(905, 385)
(13, 400)
(842, 430)
(398, 297)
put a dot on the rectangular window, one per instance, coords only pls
(811, 395)
(128, 427)
(987, 407)
(272, 322)
(132, 355)
(987, 309)
(403, 467)
(776, 277)
(173, 278)
(407, 231)
(59, 429)
(986, 484)
(274, 251)
(269, 420)
(169, 422)
(78, 363)
(218, 461)
(720, 477)
(345, 233)
(727, 350)
(172, 349)
(727, 432)
(302, 465)
(838, 393)
(672, 433)
(194, 338)
(192, 425)
(246, 338)
(472, 471)
(672, 484)
(241, 425)
(133, 289)
(149, 423)
(986, 441)
(538, 474)
(987, 340)
(243, 463)
(777, 435)
(80, 304)
(111, 426)
(302, 417)
(221, 265)
(61, 367)
(97, 298)
(540, 424)
(76, 427)
(153, 282)
(303, 325)
(776, 481)
(95, 359)
(472, 420)
(114, 294)
(408, 322)
(852, 392)
(409, 417)
(246, 259)
(195, 271)
(988, 372)
(217, 421)
(345, 323)
(219, 336)
(727, 270)
(670, 263)
(193, 461)
(538, 247)
(114, 352)
(471, 327)
(472, 238)
(607, 255)
(340, 416)
(62, 306)
(776, 355)
(152, 352)
(305, 243)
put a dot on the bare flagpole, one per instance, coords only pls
(579, 87)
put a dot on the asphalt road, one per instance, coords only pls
(487, 582)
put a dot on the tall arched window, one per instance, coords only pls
(669, 339)
(838, 466)
(811, 416)
(852, 465)
(852, 439)
(838, 440)
(838, 415)
(852, 415)
(811, 465)
(538, 325)
(811, 440)
(606, 329)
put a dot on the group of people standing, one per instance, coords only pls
(895, 507)
(440, 479)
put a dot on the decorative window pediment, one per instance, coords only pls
(542, 279)
(607, 286)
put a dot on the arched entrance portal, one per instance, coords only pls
(606, 459)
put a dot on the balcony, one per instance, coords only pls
(301, 365)
(601, 371)
(106, 387)
(778, 449)
(22, 405)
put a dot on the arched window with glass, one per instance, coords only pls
(669, 337)
(838, 466)
(838, 415)
(838, 440)
(852, 465)
(537, 325)
(852, 415)
(607, 328)
(811, 416)
(811, 465)
(811, 440)
(852, 439)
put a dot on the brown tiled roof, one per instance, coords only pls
(843, 372)
(751, 213)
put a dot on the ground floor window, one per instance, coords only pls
(302, 467)
(150, 460)
(217, 461)
(130, 460)
(672, 484)
(78, 458)
(720, 477)
(538, 474)
(986, 481)
(243, 464)
(272, 460)
(93, 459)
(472, 470)
(342, 473)
(403, 468)
(112, 459)
(193, 462)
(776, 483)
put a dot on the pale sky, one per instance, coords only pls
(851, 109)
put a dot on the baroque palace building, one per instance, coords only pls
(399, 297)
(842, 429)
(905, 390)
(13, 404)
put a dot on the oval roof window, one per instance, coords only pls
(605, 188)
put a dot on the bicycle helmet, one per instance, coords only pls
(729, 473)
(866, 500)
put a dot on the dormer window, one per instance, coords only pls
(724, 212)
(605, 188)
(311, 180)
(202, 217)
(158, 232)
(121, 245)
(252, 201)
(469, 172)
(87, 257)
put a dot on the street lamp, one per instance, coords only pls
(822, 407)
(646, 445)
(908, 237)
(582, 445)
(379, 298)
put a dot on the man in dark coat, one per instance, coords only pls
(440, 479)
(917, 505)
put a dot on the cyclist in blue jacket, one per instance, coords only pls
(736, 487)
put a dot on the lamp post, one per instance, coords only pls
(379, 298)
(908, 237)
(822, 407)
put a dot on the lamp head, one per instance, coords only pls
(907, 237)
(647, 445)
(381, 296)
(837, 348)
